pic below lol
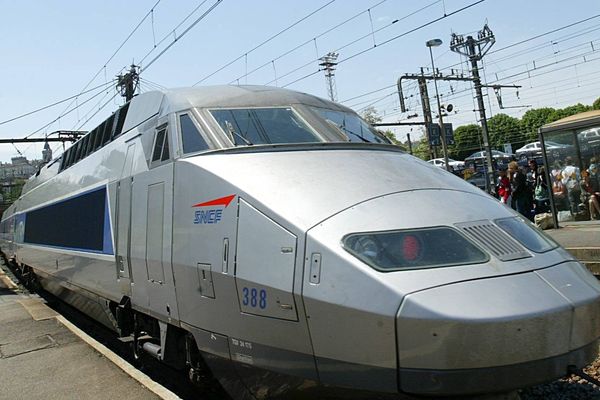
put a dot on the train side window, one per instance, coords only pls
(191, 137)
(63, 160)
(71, 156)
(120, 120)
(77, 156)
(110, 127)
(158, 145)
(106, 130)
(83, 147)
(99, 137)
(165, 151)
(96, 139)
(88, 145)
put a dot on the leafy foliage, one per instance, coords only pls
(567, 112)
(503, 129)
(466, 141)
(421, 148)
(532, 120)
(371, 115)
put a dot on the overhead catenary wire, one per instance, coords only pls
(176, 38)
(99, 109)
(557, 102)
(264, 42)
(200, 18)
(529, 71)
(311, 62)
(51, 105)
(311, 40)
(69, 111)
(151, 11)
(146, 66)
(510, 56)
(581, 21)
(171, 32)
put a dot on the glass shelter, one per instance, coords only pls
(571, 151)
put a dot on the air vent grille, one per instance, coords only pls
(495, 240)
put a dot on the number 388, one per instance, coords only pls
(254, 297)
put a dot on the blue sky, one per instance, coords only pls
(52, 50)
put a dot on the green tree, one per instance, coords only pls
(14, 191)
(533, 119)
(371, 115)
(390, 135)
(596, 105)
(568, 111)
(421, 148)
(504, 129)
(467, 139)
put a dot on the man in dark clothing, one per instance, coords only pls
(520, 191)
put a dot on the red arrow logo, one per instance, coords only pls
(223, 201)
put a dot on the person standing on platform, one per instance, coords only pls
(520, 192)
(503, 189)
(571, 180)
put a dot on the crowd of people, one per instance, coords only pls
(575, 191)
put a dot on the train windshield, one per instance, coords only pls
(350, 125)
(264, 126)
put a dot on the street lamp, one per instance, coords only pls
(435, 43)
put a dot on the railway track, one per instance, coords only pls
(569, 388)
(174, 380)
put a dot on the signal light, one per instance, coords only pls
(411, 248)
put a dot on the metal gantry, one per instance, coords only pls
(475, 49)
(329, 62)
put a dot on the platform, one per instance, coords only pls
(42, 358)
(582, 239)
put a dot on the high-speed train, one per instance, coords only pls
(275, 239)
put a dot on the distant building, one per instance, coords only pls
(19, 168)
(46, 153)
(14, 174)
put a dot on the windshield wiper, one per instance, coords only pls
(356, 134)
(232, 132)
(342, 129)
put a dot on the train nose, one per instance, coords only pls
(497, 334)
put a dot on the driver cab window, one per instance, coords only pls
(191, 137)
(350, 125)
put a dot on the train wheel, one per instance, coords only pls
(136, 344)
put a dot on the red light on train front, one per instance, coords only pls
(411, 248)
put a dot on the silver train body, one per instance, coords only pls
(291, 257)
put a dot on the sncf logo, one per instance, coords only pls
(213, 214)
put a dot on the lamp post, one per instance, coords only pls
(435, 43)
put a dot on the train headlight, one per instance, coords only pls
(413, 249)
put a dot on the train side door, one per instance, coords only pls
(151, 231)
(265, 261)
(123, 224)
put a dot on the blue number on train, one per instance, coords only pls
(263, 299)
(254, 297)
(245, 292)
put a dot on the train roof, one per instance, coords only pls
(238, 96)
(162, 102)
